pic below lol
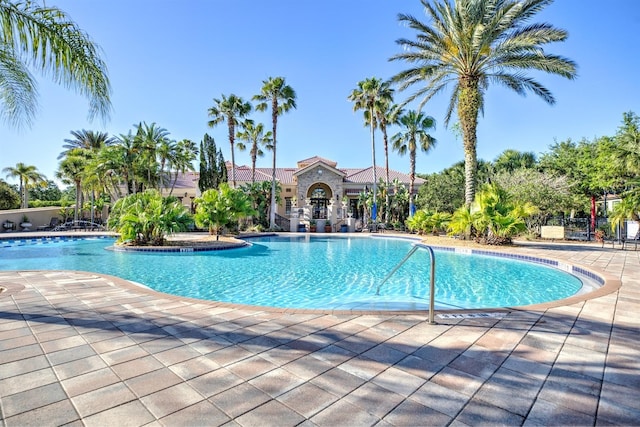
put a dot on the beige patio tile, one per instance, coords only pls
(194, 367)
(374, 399)
(240, 399)
(136, 367)
(170, 400)
(343, 413)
(276, 382)
(129, 414)
(152, 382)
(90, 381)
(200, 414)
(101, 399)
(58, 413)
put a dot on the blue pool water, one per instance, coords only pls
(310, 272)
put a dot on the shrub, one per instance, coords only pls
(146, 218)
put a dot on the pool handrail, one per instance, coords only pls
(432, 286)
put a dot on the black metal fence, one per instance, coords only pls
(580, 228)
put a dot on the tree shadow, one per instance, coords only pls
(546, 368)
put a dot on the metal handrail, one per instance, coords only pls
(432, 284)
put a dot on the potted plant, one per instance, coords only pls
(312, 225)
(327, 227)
(25, 224)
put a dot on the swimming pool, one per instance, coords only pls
(313, 272)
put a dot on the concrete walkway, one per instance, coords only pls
(86, 349)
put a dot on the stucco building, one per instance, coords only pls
(317, 188)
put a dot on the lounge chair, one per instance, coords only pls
(52, 224)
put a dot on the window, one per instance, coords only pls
(287, 205)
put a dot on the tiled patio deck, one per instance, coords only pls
(84, 349)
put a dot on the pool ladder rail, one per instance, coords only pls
(432, 282)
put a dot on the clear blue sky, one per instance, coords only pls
(168, 59)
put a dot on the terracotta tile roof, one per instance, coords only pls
(186, 180)
(286, 175)
(306, 162)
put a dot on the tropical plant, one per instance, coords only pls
(48, 192)
(9, 198)
(146, 218)
(28, 176)
(472, 43)
(210, 170)
(71, 170)
(399, 202)
(87, 140)
(416, 125)
(229, 109)
(254, 134)
(511, 160)
(372, 95)
(492, 219)
(185, 153)
(550, 194)
(627, 148)
(147, 142)
(428, 222)
(260, 195)
(217, 208)
(628, 208)
(281, 98)
(45, 38)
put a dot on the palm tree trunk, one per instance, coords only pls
(385, 140)
(374, 208)
(23, 192)
(233, 158)
(468, 108)
(253, 168)
(274, 119)
(412, 178)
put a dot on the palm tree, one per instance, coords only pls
(46, 39)
(372, 95)
(387, 114)
(28, 176)
(255, 135)
(510, 160)
(415, 134)
(87, 140)
(471, 43)
(185, 153)
(229, 109)
(71, 170)
(148, 140)
(282, 98)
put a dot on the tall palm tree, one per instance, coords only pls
(281, 97)
(71, 170)
(255, 135)
(46, 39)
(387, 114)
(372, 95)
(416, 126)
(148, 140)
(231, 110)
(28, 176)
(88, 140)
(185, 153)
(471, 43)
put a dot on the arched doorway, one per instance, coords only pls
(319, 195)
